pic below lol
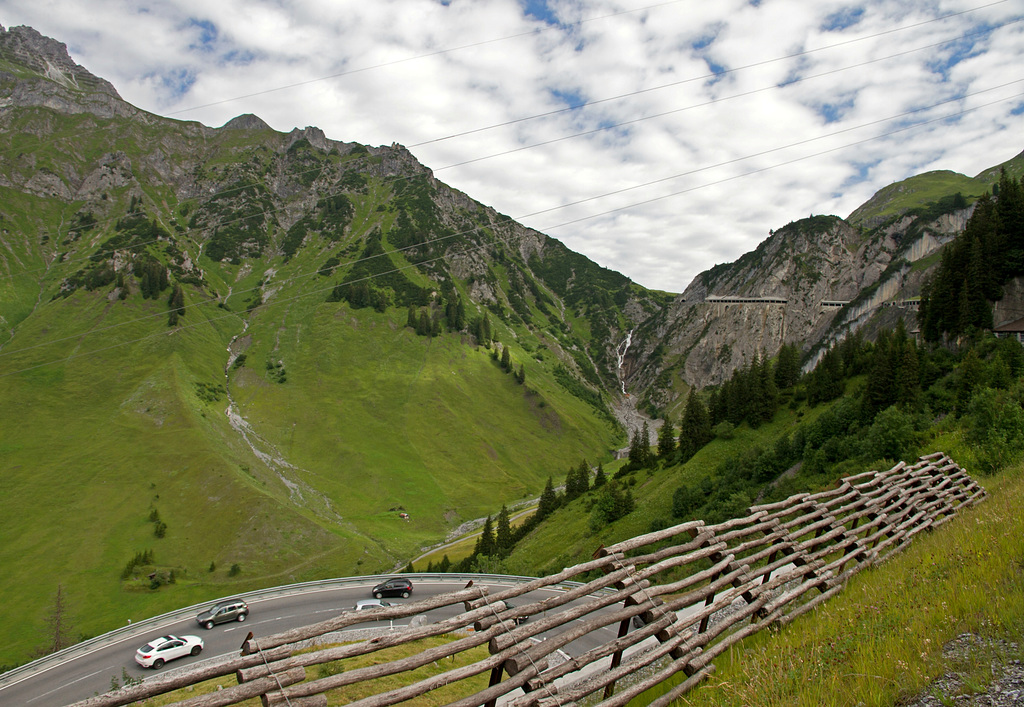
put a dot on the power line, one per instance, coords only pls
(726, 72)
(605, 128)
(517, 219)
(480, 247)
(763, 89)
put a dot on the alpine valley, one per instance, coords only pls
(246, 358)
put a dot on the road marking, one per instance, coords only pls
(61, 687)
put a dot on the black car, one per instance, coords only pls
(394, 587)
(517, 619)
(230, 610)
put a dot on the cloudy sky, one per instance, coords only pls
(657, 138)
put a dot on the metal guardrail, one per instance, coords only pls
(150, 625)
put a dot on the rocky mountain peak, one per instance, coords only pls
(246, 121)
(49, 58)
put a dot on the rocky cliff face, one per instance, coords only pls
(809, 284)
(58, 82)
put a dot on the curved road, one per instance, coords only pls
(92, 673)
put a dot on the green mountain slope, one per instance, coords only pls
(205, 359)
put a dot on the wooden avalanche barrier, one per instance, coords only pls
(640, 612)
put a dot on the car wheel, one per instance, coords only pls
(241, 617)
(378, 595)
(158, 663)
(208, 625)
(405, 595)
(196, 650)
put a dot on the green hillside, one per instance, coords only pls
(930, 190)
(343, 414)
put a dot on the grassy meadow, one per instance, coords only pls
(127, 417)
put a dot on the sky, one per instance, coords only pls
(656, 138)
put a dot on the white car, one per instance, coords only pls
(160, 650)
(371, 604)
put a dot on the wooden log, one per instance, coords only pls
(769, 529)
(350, 618)
(704, 640)
(525, 631)
(682, 688)
(601, 563)
(709, 552)
(421, 687)
(779, 547)
(700, 593)
(239, 693)
(787, 512)
(279, 700)
(730, 525)
(798, 611)
(651, 538)
(160, 684)
(725, 644)
(535, 651)
(790, 501)
(631, 665)
(334, 653)
(832, 494)
(546, 605)
(667, 624)
(702, 538)
(808, 545)
(826, 521)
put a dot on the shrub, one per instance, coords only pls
(724, 430)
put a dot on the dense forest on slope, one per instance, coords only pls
(973, 270)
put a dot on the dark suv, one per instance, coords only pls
(394, 587)
(230, 610)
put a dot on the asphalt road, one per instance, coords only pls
(92, 673)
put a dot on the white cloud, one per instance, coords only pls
(417, 71)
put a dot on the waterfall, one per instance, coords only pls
(620, 353)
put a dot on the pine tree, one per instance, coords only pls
(58, 628)
(486, 544)
(908, 381)
(548, 502)
(583, 477)
(695, 428)
(641, 458)
(666, 439)
(969, 376)
(506, 359)
(177, 305)
(503, 537)
(423, 326)
(787, 367)
(599, 478)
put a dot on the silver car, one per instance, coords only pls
(229, 610)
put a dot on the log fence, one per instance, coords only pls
(650, 608)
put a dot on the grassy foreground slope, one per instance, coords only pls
(881, 640)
